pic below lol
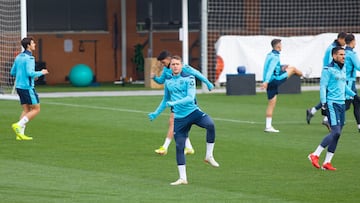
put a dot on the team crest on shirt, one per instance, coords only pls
(192, 83)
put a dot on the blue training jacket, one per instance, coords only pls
(352, 64)
(333, 86)
(24, 70)
(328, 57)
(272, 67)
(179, 93)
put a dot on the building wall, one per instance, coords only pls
(59, 62)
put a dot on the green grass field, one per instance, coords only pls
(101, 149)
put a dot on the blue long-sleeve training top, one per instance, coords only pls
(24, 70)
(333, 86)
(352, 64)
(272, 67)
(328, 56)
(179, 93)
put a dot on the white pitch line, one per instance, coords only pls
(145, 112)
(236, 121)
(95, 107)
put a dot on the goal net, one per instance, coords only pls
(10, 35)
(315, 23)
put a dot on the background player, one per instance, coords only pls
(352, 65)
(274, 75)
(332, 96)
(24, 71)
(339, 41)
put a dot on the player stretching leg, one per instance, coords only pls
(164, 58)
(274, 75)
(180, 93)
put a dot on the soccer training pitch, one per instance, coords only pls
(101, 149)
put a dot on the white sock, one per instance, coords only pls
(167, 142)
(22, 130)
(313, 110)
(182, 172)
(358, 126)
(318, 150)
(268, 122)
(325, 119)
(209, 149)
(328, 157)
(23, 121)
(188, 143)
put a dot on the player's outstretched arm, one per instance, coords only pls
(153, 115)
(162, 77)
(192, 71)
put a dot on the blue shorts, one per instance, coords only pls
(273, 88)
(28, 96)
(182, 126)
(336, 114)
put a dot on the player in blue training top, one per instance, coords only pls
(179, 94)
(24, 71)
(333, 90)
(352, 64)
(274, 75)
(164, 58)
(339, 41)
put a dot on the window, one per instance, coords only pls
(308, 13)
(66, 15)
(167, 14)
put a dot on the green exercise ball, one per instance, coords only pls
(81, 75)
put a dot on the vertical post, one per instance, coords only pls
(123, 39)
(23, 29)
(185, 32)
(150, 49)
(204, 43)
(23, 18)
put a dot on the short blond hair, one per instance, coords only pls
(177, 57)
